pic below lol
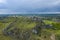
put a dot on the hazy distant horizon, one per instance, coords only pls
(31, 13)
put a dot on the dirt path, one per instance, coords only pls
(52, 37)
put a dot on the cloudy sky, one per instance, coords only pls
(13, 6)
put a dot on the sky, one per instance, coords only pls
(16, 6)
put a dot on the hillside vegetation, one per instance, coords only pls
(28, 28)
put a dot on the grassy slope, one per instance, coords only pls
(2, 26)
(55, 25)
(26, 24)
(19, 23)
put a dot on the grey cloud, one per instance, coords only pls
(32, 5)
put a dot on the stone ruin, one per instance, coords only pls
(17, 34)
(40, 25)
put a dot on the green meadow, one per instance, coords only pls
(29, 28)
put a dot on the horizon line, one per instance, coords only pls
(30, 13)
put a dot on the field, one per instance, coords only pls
(29, 28)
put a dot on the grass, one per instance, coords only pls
(48, 22)
(26, 24)
(20, 23)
